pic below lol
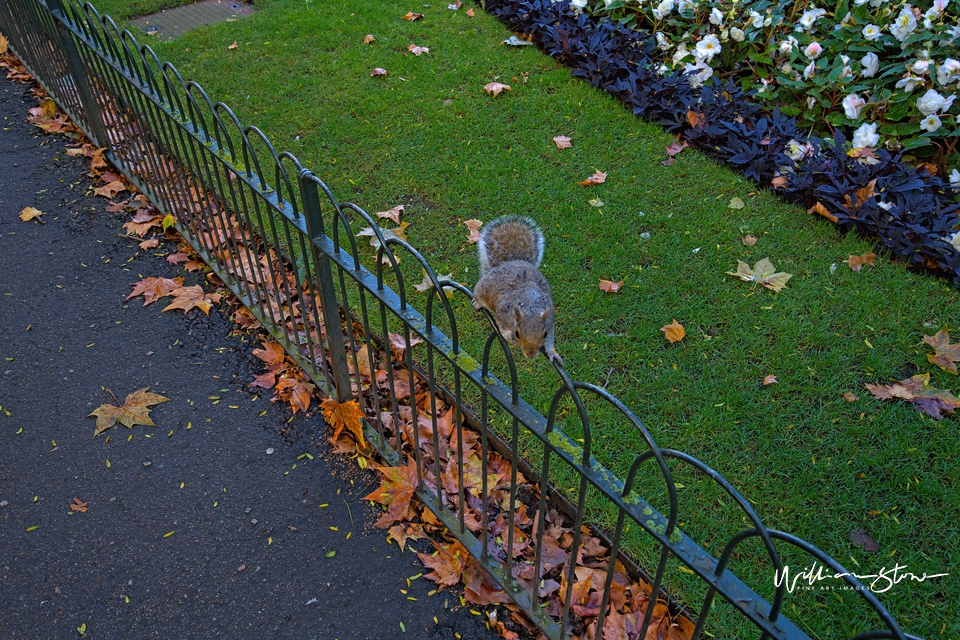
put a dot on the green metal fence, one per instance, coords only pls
(279, 239)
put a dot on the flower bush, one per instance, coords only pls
(883, 69)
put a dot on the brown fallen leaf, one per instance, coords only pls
(673, 332)
(857, 262)
(344, 415)
(474, 226)
(672, 150)
(110, 189)
(736, 203)
(446, 564)
(599, 177)
(417, 50)
(779, 182)
(377, 71)
(78, 506)
(849, 397)
(368, 39)
(769, 380)
(562, 142)
(426, 284)
(393, 214)
(947, 355)
(30, 213)
(396, 492)
(189, 297)
(696, 119)
(470, 13)
(494, 88)
(134, 410)
(609, 286)
(763, 272)
(234, 45)
(152, 243)
(411, 16)
(860, 538)
(397, 232)
(748, 241)
(917, 391)
(4, 44)
(822, 210)
(152, 289)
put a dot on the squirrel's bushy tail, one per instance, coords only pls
(510, 238)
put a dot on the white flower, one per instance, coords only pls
(904, 25)
(955, 179)
(930, 102)
(703, 73)
(685, 6)
(813, 50)
(708, 47)
(796, 151)
(662, 43)
(953, 33)
(809, 17)
(680, 53)
(578, 4)
(811, 102)
(909, 82)
(886, 206)
(846, 20)
(787, 45)
(919, 66)
(853, 105)
(871, 32)
(866, 136)
(871, 64)
(736, 34)
(662, 70)
(811, 70)
(954, 239)
(931, 123)
(756, 20)
(662, 9)
(724, 34)
(948, 72)
(716, 17)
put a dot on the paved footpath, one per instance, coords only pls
(251, 521)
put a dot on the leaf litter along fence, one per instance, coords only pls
(289, 251)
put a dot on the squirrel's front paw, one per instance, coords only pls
(553, 356)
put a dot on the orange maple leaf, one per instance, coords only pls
(110, 189)
(152, 289)
(393, 214)
(474, 226)
(857, 262)
(346, 415)
(947, 355)
(674, 332)
(609, 286)
(446, 564)
(597, 178)
(411, 16)
(142, 222)
(494, 88)
(189, 297)
(396, 492)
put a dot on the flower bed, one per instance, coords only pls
(874, 189)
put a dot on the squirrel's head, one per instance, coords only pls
(530, 330)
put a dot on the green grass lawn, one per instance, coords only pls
(428, 136)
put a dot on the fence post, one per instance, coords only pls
(78, 72)
(310, 196)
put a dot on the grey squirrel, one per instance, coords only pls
(511, 286)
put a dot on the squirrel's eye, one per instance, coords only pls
(516, 334)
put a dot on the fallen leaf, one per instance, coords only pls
(947, 355)
(142, 222)
(860, 538)
(474, 226)
(562, 142)
(514, 41)
(763, 272)
(595, 202)
(5, 44)
(917, 391)
(411, 16)
(769, 380)
(674, 332)
(30, 213)
(78, 505)
(152, 243)
(346, 415)
(598, 177)
(110, 189)
(849, 397)
(779, 182)
(446, 564)
(398, 232)
(857, 262)
(393, 214)
(377, 71)
(396, 491)
(426, 284)
(417, 50)
(455, 5)
(368, 38)
(748, 240)
(822, 210)
(494, 88)
(696, 119)
(470, 13)
(189, 297)
(234, 45)
(736, 203)
(608, 286)
(134, 410)
(152, 289)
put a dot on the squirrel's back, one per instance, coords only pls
(510, 238)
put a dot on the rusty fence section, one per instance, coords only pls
(280, 240)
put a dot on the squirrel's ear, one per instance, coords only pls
(519, 317)
(545, 313)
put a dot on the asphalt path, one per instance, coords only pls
(212, 524)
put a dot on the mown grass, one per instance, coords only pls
(427, 136)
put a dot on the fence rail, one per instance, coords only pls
(280, 240)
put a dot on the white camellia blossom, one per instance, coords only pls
(811, 102)
(871, 64)
(810, 70)
(708, 47)
(909, 82)
(809, 17)
(680, 53)
(955, 179)
(919, 66)
(663, 9)
(948, 72)
(699, 72)
(931, 123)
(737, 34)
(716, 17)
(813, 50)
(930, 102)
(578, 4)
(904, 25)
(662, 43)
(853, 105)
(756, 20)
(866, 136)
(871, 32)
